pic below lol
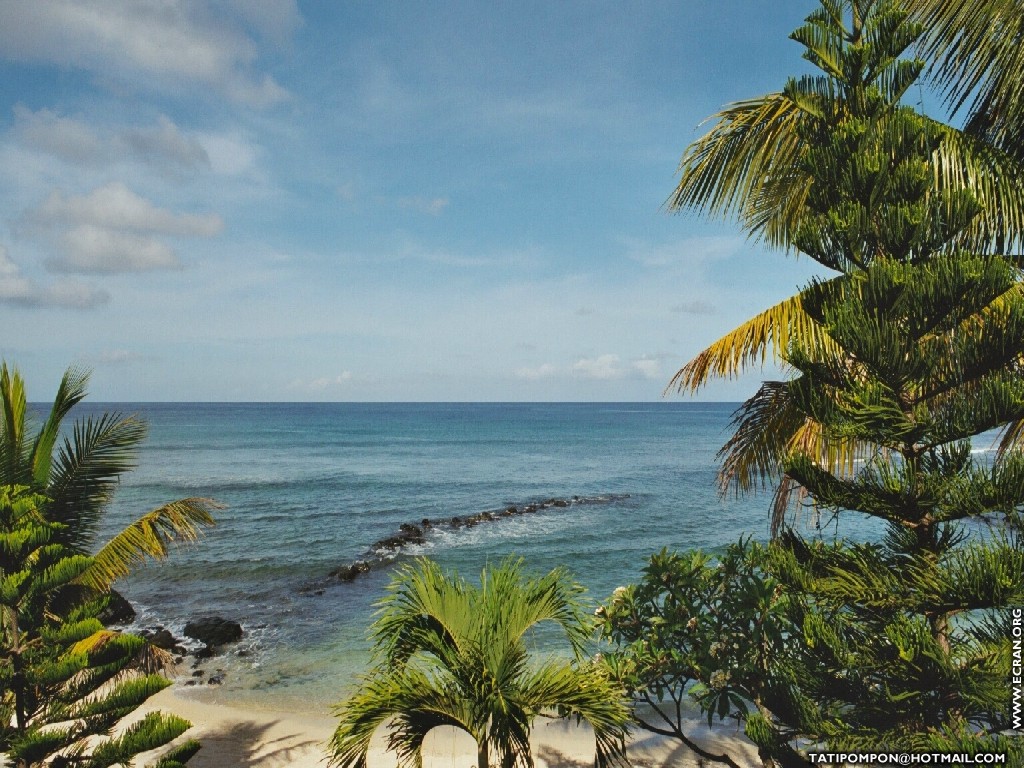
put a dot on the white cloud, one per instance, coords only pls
(229, 154)
(72, 295)
(170, 44)
(63, 137)
(610, 367)
(603, 368)
(112, 230)
(647, 367)
(545, 371)
(115, 206)
(276, 20)
(166, 144)
(346, 192)
(91, 248)
(13, 286)
(117, 357)
(163, 146)
(322, 383)
(19, 290)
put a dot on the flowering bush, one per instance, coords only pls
(702, 627)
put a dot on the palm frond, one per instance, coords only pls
(452, 653)
(149, 537)
(744, 167)
(766, 336)
(766, 425)
(977, 56)
(413, 703)
(424, 610)
(585, 692)
(12, 427)
(70, 392)
(86, 471)
(526, 602)
(1011, 437)
(964, 161)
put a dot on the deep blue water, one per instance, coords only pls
(309, 487)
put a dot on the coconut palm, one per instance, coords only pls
(978, 62)
(78, 472)
(750, 166)
(451, 653)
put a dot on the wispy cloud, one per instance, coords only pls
(17, 290)
(117, 357)
(544, 371)
(174, 43)
(322, 383)
(696, 307)
(166, 144)
(610, 367)
(162, 146)
(689, 252)
(111, 230)
(432, 206)
(71, 140)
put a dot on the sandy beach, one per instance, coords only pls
(232, 735)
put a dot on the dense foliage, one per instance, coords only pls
(76, 472)
(900, 641)
(65, 680)
(697, 628)
(452, 653)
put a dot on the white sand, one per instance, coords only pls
(253, 738)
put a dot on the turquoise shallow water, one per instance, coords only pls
(309, 487)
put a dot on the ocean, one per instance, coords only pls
(310, 488)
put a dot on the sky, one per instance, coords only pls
(242, 200)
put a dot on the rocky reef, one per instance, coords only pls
(383, 551)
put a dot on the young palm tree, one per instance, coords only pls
(750, 165)
(77, 474)
(451, 653)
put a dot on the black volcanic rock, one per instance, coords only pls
(349, 572)
(214, 631)
(117, 610)
(382, 551)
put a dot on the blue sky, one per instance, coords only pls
(273, 200)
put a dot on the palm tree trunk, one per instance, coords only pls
(482, 748)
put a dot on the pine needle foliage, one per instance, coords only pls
(448, 652)
(752, 167)
(917, 347)
(925, 347)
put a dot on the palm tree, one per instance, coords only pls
(78, 477)
(451, 653)
(978, 62)
(750, 166)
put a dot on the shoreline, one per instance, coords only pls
(237, 734)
